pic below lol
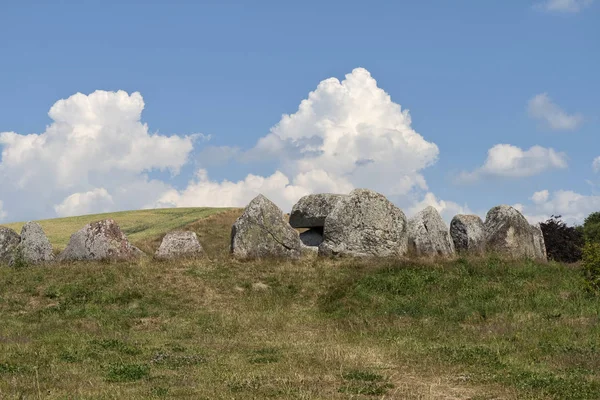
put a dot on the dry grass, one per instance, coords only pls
(314, 329)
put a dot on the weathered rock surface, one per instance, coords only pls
(365, 224)
(428, 234)
(102, 240)
(35, 246)
(539, 244)
(9, 240)
(468, 234)
(179, 244)
(507, 232)
(262, 231)
(311, 210)
(312, 237)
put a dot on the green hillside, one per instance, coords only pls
(139, 226)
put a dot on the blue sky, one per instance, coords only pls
(473, 75)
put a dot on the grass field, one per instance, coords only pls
(313, 329)
(139, 226)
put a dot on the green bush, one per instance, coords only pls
(591, 228)
(591, 265)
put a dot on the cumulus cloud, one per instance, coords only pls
(563, 6)
(342, 135)
(97, 200)
(596, 164)
(95, 142)
(542, 108)
(505, 160)
(447, 209)
(572, 206)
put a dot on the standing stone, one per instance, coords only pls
(428, 234)
(179, 244)
(539, 244)
(262, 231)
(311, 210)
(312, 237)
(365, 224)
(102, 240)
(35, 246)
(468, 234)
(507, 232)
(9, 240)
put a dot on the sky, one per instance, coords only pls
(462, 105)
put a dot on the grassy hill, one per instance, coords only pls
(314, 329)
(140, 226)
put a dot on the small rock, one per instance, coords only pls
(259, 286)
(311, 210)
(102, 240)
(261, 231)
(9, 240)
(468, 234)
(35, 246)
(365, 224)
(428, 235)
(312, 237)
(179, 244)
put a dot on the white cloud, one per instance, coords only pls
(506, 160)
(341, 137)
(596, 164)
(447, 209)
(551, 115)
(540, 197)
(572, 206)
(3, 213)
(95, 141)
(563, 6)
(94, 201)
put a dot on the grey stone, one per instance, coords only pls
(507, 232)
(262, 231)
(9, 240)
(468, 234)
(102, 240)
(539, 244)
(35, 247)
(312, 237)
(428, 234)
(365, 224)
(179, 244)
(311, 210)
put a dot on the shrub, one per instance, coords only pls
(563, 243)
(591, 228)
(591, 265)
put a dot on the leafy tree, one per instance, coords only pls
(591, 265)
(591, 228)
(563, 243)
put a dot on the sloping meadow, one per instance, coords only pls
(311, 329)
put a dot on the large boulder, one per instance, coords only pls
(365, 224)
(311, 210)
(428, 234)
(102, 240)
(9, 240)
(507, 232)
(179, 244)
(35, 246)
(262, 231)
(539, 244)
(468, 234)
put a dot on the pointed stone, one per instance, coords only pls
(35, 247)
(428, 234)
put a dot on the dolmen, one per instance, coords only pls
(102, 240)
(30, 247)
(366, 224)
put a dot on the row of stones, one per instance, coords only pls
(102, 240)
(366, 224)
